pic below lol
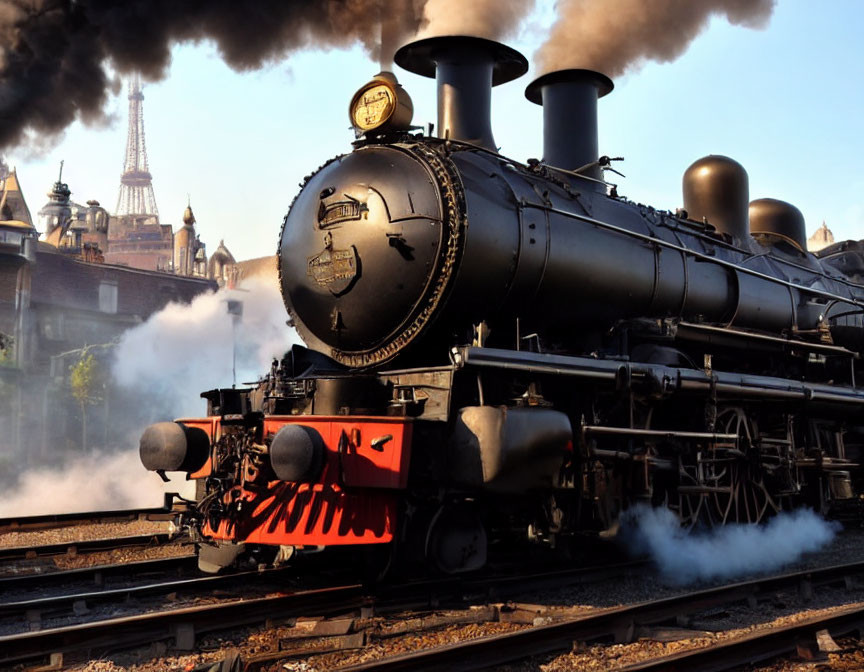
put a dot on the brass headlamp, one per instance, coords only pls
(381, 105)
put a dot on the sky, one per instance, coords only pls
(783, 101)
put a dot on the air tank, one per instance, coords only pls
(716, 190)
(778, 220)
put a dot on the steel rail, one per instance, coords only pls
(130, 631)
(418, 594)
(505, 648)
(69, 602)
(507, 586)
(95, 575)
(56, 520)
(755, 647)
(454, 591)
(87, 546)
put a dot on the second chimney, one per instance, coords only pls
(466, 68)
(569, 100)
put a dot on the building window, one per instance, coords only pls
(108, 297)
(53, 325)
(11, 237)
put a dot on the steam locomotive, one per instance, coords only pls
(504, 352)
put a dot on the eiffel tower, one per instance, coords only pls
(136, 186)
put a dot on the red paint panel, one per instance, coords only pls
(311, 515)
(204, 471)
(351, 461)
(350, 504)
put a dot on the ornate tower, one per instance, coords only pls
(136, 186)
(189, 255)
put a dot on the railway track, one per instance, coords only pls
(759, 646)
(171, 507)
(72, 549)
(620, 624)
(31, 612)
(183, 625)
(352, 607)
(98, 575)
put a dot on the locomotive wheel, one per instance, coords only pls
(734, 487)
(456, 541)
(750, 501)
(379, 563)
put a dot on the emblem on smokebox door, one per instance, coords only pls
(333, 269)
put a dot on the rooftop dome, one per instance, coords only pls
(188, 216)
(223, 253)
(220, 260)
(96, 217)
(57, 212)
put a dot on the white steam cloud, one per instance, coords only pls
(95, 482)
(725, 552)
(167, 362)
(184, 350)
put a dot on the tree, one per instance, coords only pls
(7, 353)
(85, 381)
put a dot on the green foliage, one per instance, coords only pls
(85, 380)
(7, 352)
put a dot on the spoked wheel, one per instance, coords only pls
(690, 505)
(726, 486)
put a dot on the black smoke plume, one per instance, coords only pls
(53, 53)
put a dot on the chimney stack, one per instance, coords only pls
(569, 100)
(466, 68)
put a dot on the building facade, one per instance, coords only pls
(140, 241)
(822, 238)
(59, 303)
(190, 256)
